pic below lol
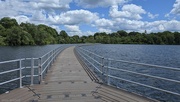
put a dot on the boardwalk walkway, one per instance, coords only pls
(67, 81)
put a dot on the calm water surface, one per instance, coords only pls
(11, 53)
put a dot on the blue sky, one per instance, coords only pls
(85, 17)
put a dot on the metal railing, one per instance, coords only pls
(26, 70)
(112, 72)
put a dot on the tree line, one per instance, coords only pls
(14, 34)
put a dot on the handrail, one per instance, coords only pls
(92, 64)
(90, 57)
(144, 64)
(156, 77)
(41, 65)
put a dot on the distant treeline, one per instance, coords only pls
(13, 34)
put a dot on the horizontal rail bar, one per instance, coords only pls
(10, 80)
(35, 67)
(174, 93)
(144, 64)
(156, 77)
(30, 76)
(46, 66)
(51, 51)
(47, 60)
(92, 65)
(10, 61)
(11, 70)
(92, 59)
(92, 53)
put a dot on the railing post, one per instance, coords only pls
(49, 57)
(20, 73)
(32, 71)
(102, 65)
(40, 70)
(93, 56)
(102, 68)
(52, 56)
(107, 72)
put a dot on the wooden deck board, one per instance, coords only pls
(67, 81)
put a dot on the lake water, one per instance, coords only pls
(164, 55)
(11, 53)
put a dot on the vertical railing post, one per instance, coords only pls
(40, 70)
(102, 67)
(107, 72)
(53, 56)
(93, 56)
(32, 71)
(20, 73)
(49, 60)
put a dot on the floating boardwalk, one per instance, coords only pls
(67, 81)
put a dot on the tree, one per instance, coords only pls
(75, 39)
(177, 38)
(2, 31)
(26, 38)
(7, 22)
(13, 37)
(2, 40)
(122, 33)
(63, 34)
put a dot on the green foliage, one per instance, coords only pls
(7, 22)
(122, 37)
(13, 34)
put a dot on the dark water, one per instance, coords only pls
(164, 55)
(11, 53)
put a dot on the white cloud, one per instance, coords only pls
(99, 3)
(152, 16)
(136, 25)
(14, 8)
(39, 15)
(127, 24)
(21, 19)
(130, 11)
(133, 9)
(176, 8)
(103, 22)
(55, 27)
(74, 17)
(56, 13)
(72, 28)
(51, 4)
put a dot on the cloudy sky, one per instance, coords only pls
(85, 17)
